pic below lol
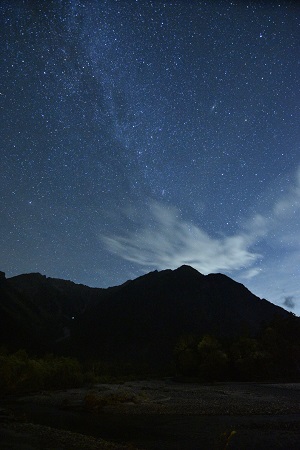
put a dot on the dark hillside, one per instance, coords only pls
(143, 319)
(36, 311)
(138, 321)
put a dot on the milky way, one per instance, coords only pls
(142, 135)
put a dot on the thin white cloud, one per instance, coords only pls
(279, 270)
(163, 239)
(251, 273)
(169, 242)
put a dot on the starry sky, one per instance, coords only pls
(142, 135)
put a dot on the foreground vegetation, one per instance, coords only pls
(21, 373)
(273, 355)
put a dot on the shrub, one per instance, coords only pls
(19, 373)
(95, 401)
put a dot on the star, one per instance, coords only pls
(127, 123)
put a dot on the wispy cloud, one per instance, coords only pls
(168, 241)
(163, 239)
(278, 275)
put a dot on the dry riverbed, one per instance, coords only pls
(155, 415)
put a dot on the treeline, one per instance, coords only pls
(21, 373)
(272, 355)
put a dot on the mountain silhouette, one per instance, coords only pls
(140, 320)
(36, 311)
(143, 319)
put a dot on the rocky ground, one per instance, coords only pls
(268, 410)
(28, 436)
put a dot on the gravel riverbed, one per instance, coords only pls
(155, 414)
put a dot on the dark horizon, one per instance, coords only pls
(185, 266)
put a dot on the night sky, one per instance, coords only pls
(143, 135)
